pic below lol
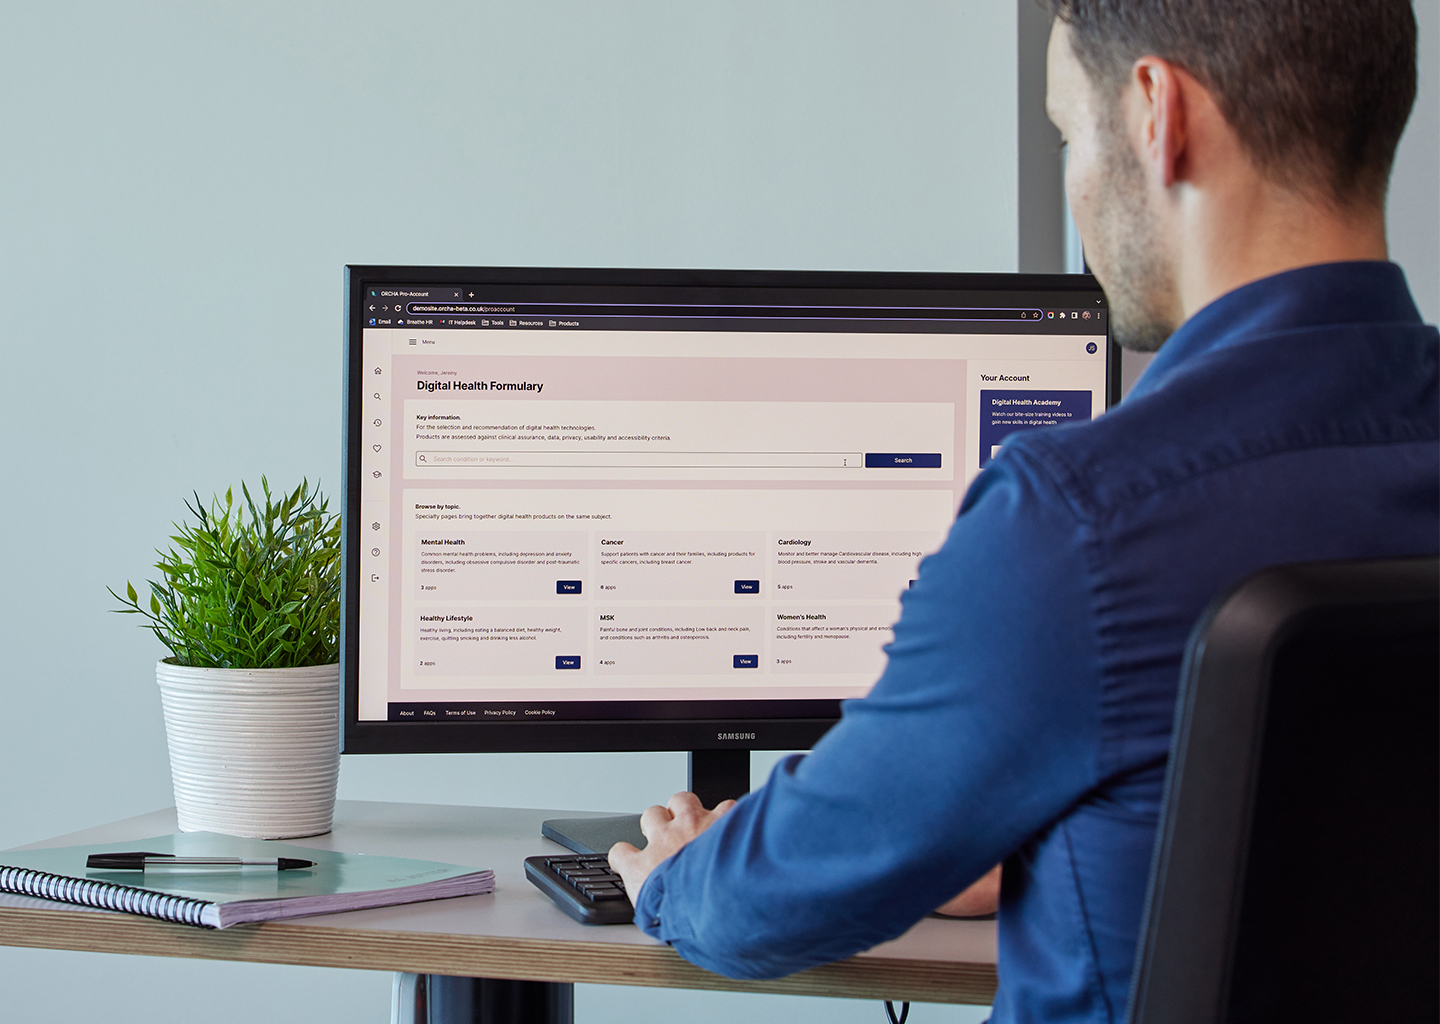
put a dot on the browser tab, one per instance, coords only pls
(394, 294)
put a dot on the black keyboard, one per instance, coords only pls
(582, 885)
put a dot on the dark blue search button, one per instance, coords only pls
(567, 661)
(567, 586)
(747, 586)
(902, 460)
(747, 661)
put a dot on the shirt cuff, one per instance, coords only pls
(652, 895)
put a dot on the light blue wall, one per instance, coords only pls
(1414, 208)
(180, 186)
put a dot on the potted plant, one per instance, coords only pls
(248, 604)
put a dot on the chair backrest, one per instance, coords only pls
(1297, 865)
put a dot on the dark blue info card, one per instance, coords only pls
(1004, 412)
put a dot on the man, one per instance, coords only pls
(1228, 166)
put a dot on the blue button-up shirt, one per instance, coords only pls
(1024, 714)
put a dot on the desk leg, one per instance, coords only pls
(440, 999)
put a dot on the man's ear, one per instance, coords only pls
(1163, 131)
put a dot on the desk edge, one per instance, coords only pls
(481, 956)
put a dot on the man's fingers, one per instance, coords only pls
(653, 818)
(685, 805)
(685, 810)
(620, 852)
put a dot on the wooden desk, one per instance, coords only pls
(514, 933)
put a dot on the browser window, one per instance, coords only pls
(565, 508)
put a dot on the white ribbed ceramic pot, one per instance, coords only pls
(253, 752)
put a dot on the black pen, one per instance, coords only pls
(139, 861)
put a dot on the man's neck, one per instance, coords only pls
(1242, 234)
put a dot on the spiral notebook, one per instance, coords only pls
(220, 897)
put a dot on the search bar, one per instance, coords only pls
(639, 460)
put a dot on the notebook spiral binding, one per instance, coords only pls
(104, 895)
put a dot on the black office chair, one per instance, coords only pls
(1297, 866)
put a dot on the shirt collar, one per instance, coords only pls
(1369, 291)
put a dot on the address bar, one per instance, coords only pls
(639, 460)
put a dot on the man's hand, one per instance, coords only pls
(667, 830)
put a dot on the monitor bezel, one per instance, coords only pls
(367, 737)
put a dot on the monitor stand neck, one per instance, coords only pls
(717, 775)
(714, 775)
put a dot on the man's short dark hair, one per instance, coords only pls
(1317, 90)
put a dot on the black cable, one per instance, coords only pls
(890, 1012)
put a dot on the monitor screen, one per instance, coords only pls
(629, 510)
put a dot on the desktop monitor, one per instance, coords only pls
(595, 510)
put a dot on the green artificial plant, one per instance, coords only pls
(249, 585)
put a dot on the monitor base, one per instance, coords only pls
(594, 835)
(714, 775)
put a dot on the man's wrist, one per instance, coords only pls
(647, 900)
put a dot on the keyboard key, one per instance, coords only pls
(582, 885)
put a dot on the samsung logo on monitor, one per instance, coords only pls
(734, 735)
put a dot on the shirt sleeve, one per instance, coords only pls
(983, 729)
